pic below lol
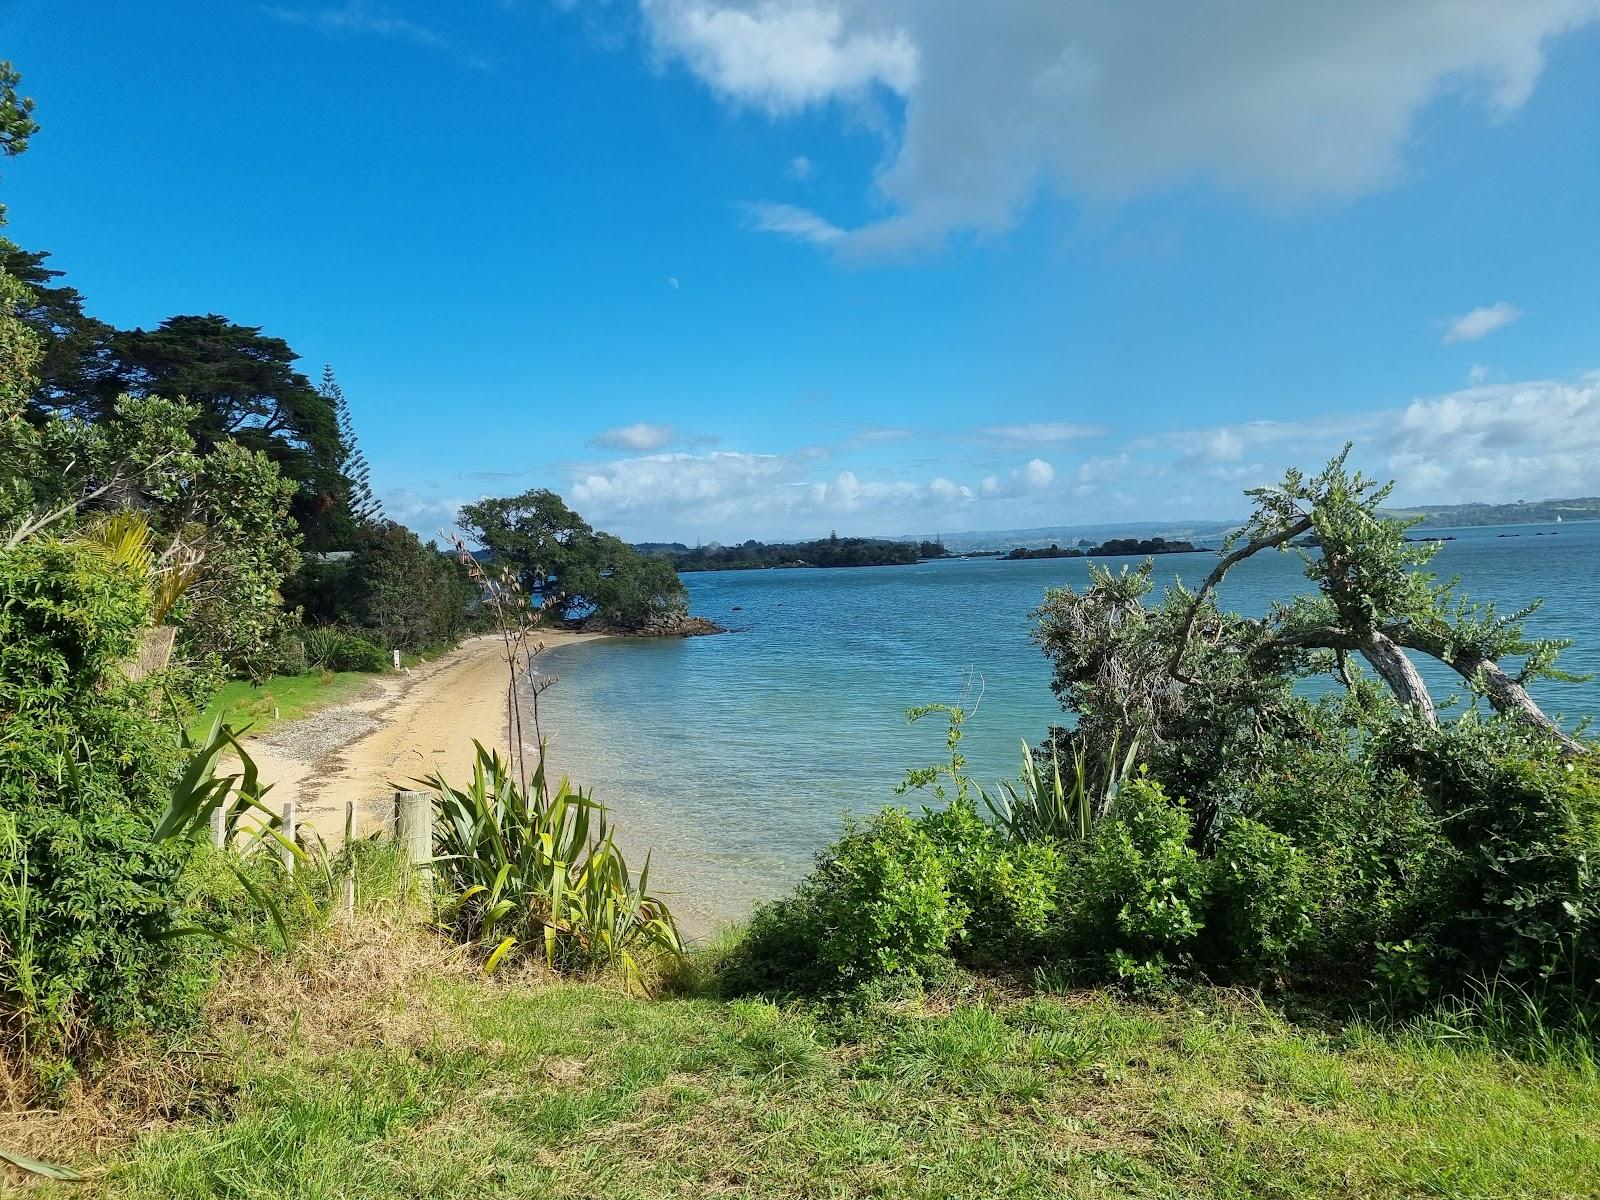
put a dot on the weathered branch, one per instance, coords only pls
(1379, 649)
(1270, 541)
(1502, 689)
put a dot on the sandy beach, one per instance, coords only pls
(404, 727)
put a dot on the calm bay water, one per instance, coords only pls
(734, 757)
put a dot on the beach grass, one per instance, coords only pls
(278, 698)
(462, 1087)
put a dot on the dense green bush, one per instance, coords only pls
(1143, 888)
(87, 769)
(1259, 916)
(355, 653)
(398, 592)
(878, 905)
(1523, 898)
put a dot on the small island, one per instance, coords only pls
(831, 551)
(1107, 549)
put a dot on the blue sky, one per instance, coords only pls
(716, 269)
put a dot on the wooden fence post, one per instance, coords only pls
(287, 829)
(219, 824)
(413, 833)
(347, 884)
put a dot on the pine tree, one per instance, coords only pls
(363, 506)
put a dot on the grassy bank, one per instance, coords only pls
(389, 1070)
(280, 698)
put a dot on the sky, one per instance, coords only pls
(718, 269)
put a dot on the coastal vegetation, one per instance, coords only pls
(1108, 549)
(1361, 845)
(1216, 939)
(831, 551)
(581, 576)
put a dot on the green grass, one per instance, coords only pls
(574, 1090)
(279, 698)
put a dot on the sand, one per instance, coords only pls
(405, 727)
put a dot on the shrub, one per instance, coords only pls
(1381, 865)
(532, 868)
(290, 654)
(883, 903)
(321, 644)
(878, 905)
(1260, 907)
(87, 769)
(354, 653)
(1141, 893)
(1525, 823)
(1016, 901)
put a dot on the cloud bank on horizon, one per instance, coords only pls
(1494, 442)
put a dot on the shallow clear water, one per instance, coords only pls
(734, 757)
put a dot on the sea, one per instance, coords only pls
(732, 759)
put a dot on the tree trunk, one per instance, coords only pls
(1504, 693)
(1400, 673)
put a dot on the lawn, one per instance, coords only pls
(441, 1084)
(279, 698)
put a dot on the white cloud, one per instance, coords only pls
(780, 56)
(793, 222)
(731, 494)
(1106, 100)
(800, 167)
(672, 282)
(1040, 433)
(638, 437)
(1496, 443)
(1481, 322)
(356, 17)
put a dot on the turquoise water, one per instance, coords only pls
(733, 757)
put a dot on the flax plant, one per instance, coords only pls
(1045, 804)
(538, 867)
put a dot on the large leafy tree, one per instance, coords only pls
(245, 389)
(578, 574)
(76, 357)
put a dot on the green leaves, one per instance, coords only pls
(529, 866)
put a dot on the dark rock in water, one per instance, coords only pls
(738, 608)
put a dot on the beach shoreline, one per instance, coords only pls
(405, 727)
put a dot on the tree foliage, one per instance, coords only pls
(1166, 671)
(578, 574)
(406, 595)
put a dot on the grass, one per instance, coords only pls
(279, 698)
(389, 1076)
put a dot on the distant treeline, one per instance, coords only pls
(1522, 512)
(832, 551)
(1105, 549)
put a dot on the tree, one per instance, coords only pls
(245, 388)
(578, 574)
(1125, 667)
(76, 359)
(410, 596)
(16, 114)
(363, 507)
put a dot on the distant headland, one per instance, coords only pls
(1108, 549)
(831, 551)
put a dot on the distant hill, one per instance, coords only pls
(1522, 512)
